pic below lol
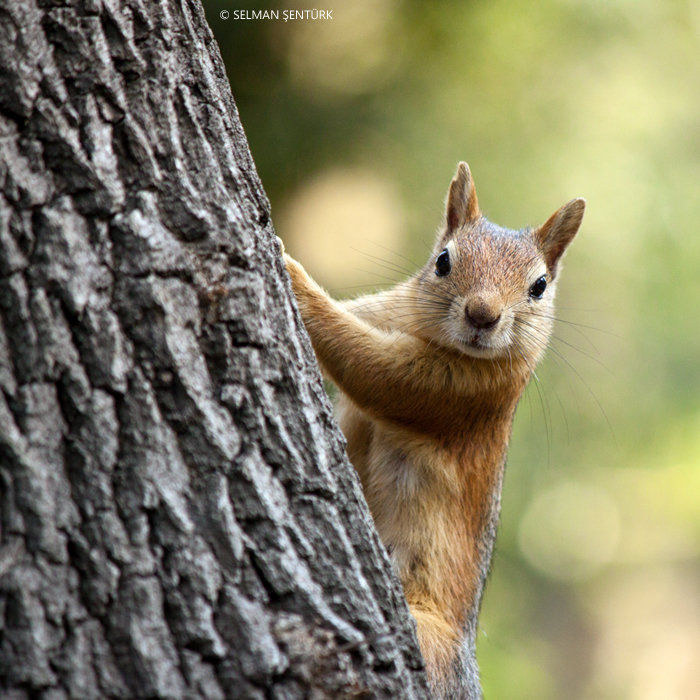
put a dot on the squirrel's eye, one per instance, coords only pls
(443, 264)
(537, 289)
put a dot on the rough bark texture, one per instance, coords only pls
(178, 518)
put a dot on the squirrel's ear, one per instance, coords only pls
(462, 204)
(559, 230)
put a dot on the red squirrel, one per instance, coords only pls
(429, 374)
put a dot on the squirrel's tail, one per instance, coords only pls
(449, 660)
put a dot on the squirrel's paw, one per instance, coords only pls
(290, 263)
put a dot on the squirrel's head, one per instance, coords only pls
(489, 291)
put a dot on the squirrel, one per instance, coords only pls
(429, 374)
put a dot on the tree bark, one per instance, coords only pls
(178, 515)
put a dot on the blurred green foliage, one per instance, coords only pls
(597, 570)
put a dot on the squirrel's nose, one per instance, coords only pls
(482, 315)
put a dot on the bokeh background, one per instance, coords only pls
(356, 125)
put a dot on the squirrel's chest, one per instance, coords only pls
(411, 489)
(422, 495)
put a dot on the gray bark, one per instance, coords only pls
(178, 518)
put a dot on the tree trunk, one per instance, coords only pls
(178, 515)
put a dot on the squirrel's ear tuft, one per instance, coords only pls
(559, 230)
(462, 203)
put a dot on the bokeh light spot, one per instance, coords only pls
(338, 223)
(570, 531)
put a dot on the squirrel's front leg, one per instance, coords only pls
(388, 374)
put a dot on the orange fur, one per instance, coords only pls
(427, 398)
